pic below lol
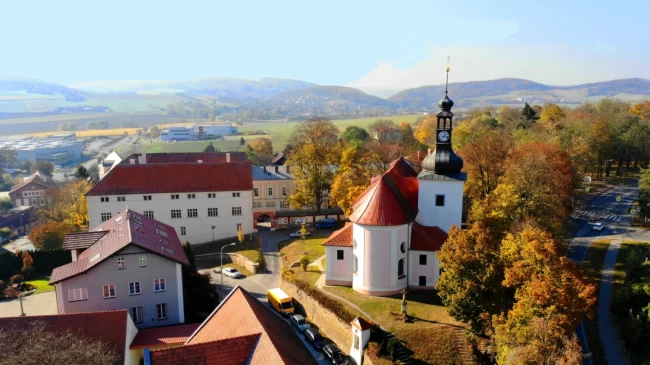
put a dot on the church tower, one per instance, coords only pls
(441, 182)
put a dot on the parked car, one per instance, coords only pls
(314, 338)
(598, 227)
(326, 223)
(297, 234)
(232, 272)
(299, 322)
(334, 355)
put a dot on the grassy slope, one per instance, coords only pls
(291, 251)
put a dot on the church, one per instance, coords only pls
(400, 222)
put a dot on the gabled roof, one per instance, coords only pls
(425, 238)
(229, 351)
(391, 199)
(126, 228)
(341, 237)
(39, 178)
(163, 336)
(108, 327)
(361, 324)
(240, 314)
(279, 159)
(81, 240)
(175, 178)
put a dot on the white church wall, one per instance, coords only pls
(338, 272)
(442, 216)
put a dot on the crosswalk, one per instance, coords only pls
(594, 216)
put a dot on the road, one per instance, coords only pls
(613, 214)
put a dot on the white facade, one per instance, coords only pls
(194, 133)
(451, 213)
(193, 229)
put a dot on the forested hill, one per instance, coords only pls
(11, 85)
(332, 96)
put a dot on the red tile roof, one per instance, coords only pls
(391, 199)
(163, 336)
(108, 327)
(126, 228)
(240, 314)
(37, 178)
(206, 157)
(175, 178)
(230, 351)
(80, 240)
(342, 237)
(425, 238)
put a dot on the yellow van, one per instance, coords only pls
(280, 301)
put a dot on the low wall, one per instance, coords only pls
(328, 323)
(238, 259)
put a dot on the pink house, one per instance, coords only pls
(400, 222)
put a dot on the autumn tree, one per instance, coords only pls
(425, 131)
(642, 110)
(470, 283)
(262, 150)
(42, 166)
(28, 264)
(315, 150)
(353, 176)
(354, 135)
(509, 118)
(386, 140)
(50, 236)
(551, 115)
(68, 204)
(485, 160)
(35, 344)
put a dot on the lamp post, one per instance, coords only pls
(20, 298)
(232, 244)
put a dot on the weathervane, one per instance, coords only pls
(447, 83)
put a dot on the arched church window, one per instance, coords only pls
(355, 264)
(402, 247)
(400, 268)
(354, 244)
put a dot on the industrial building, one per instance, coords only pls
(198, 132)
(59, 149)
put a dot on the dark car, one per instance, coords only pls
(314, 338)
(334, 355)
(325, 223)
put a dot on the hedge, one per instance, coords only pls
(44, 262)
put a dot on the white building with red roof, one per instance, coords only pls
(400, 222)
(202, 195)
(129, 262)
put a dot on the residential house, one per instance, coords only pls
(128, 262)
(107, 164)
(241, 330)
(33, 191)
(400, 222)
(204, 196)
(20, 219)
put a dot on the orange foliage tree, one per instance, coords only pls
(50, 235)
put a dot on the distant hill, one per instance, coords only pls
(223, 87)
(331, 96)
(511, 90)
(10, 85)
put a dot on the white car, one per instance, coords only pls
(297, 234)
(598, 227)
(233, 273)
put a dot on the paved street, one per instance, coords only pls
(33, 305)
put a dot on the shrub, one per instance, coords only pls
(16, 279)
(28, 264)
(304, 262)
(2, 286)
(50, 235)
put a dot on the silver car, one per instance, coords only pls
(299, 322)
(233, 273)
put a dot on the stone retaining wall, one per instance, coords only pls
(328, 323)
(242, 261)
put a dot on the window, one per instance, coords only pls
(236, 210)
(174, 196)
(121, 198)
(183, 231)
(239, 227)
(142, 261)
(147, 197)
(440, 200)
(356, 340)
(400, 269)
(270, 204)
(136, 314)
(159, 285)
(134, 288)
(402, 247)
(106, 216)
(283, 205)
(120, 263)
(354, 244)
(192, 213)
(212, 195)
(423, 281)
(105, 199)
(191, 196)
(284, 190)
(423, 259)
(355, 264)
(339, 254)
(213, 212)
(257, 204)
(270, 191)
(77, 294)
(161, 310)
(236, 195)
(109, 291)
(256, 192)
(148, 213)
(176, 213)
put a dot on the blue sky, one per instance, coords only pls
(368, 44)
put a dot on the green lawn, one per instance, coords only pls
(291, 251)
(41, 284)
(324, 263)
(627, 247)
(593, 266)
(434, 336)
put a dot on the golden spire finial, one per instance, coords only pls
(447, 82)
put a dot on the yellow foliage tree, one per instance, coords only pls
(353, 176)
(425, 131)
(68, 204)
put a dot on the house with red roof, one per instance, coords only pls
(129, 262)
(400, 222)
(204, 196)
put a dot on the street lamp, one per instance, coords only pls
(232, 244)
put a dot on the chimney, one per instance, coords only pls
(288, 169)
(276, 169)
(227, 156)
(132, 161)
(264, 168)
